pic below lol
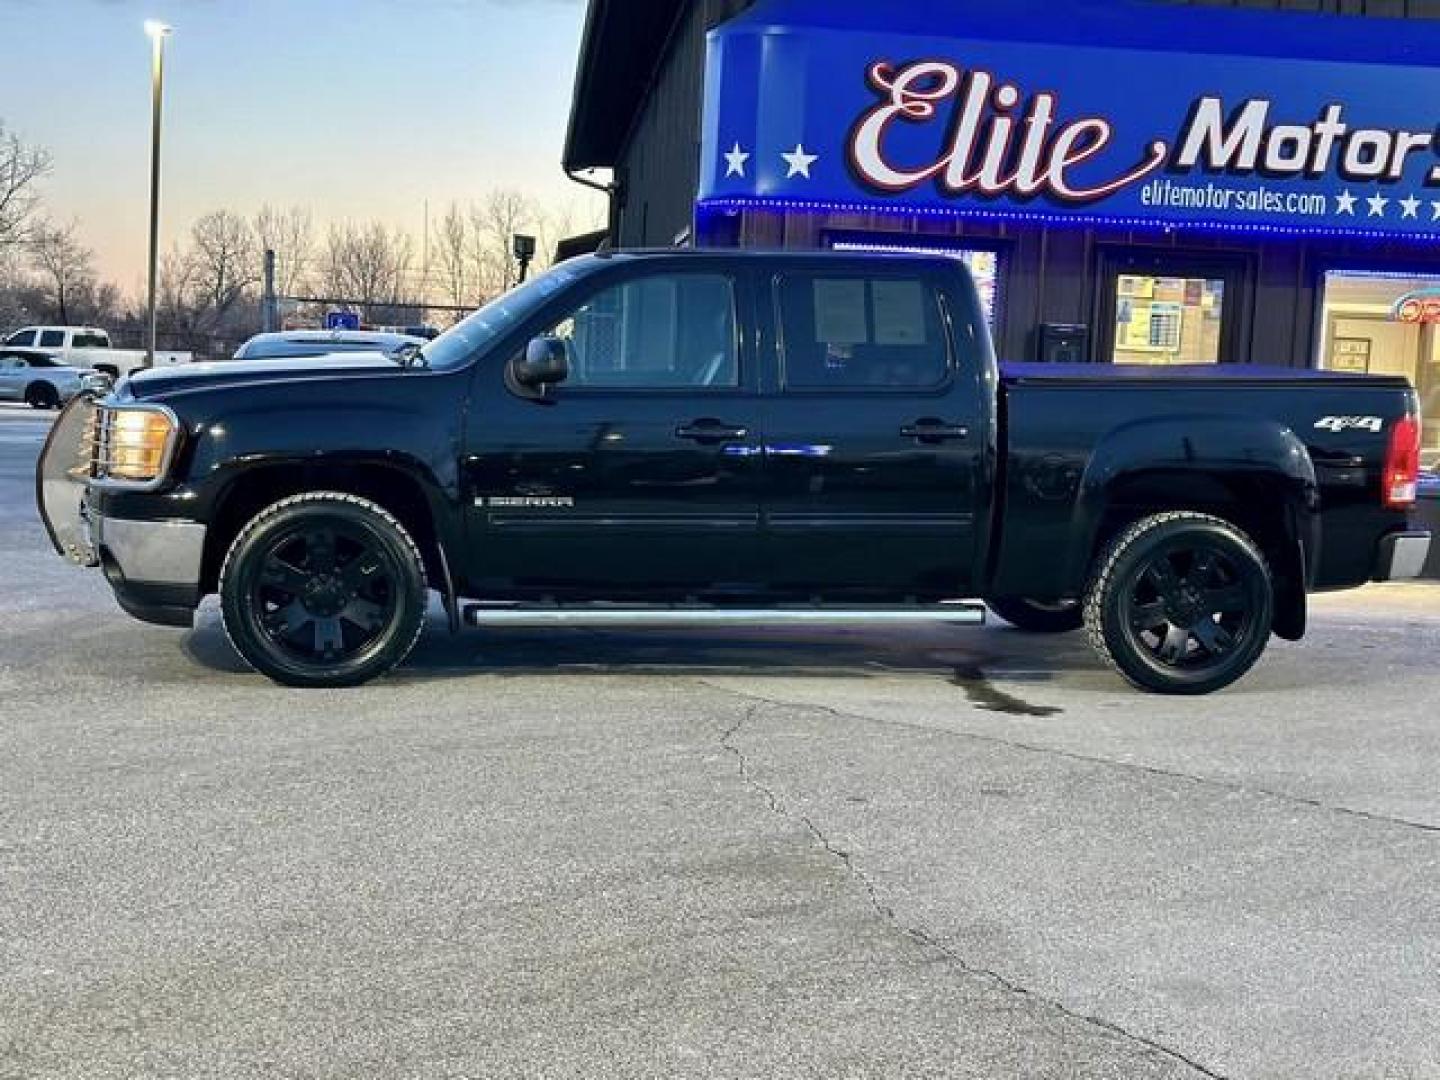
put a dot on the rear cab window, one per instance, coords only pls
(857, 331)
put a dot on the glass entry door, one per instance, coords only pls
(1169, 309)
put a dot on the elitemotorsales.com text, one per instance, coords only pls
(1211, 196)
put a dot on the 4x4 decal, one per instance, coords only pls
(1351, 423)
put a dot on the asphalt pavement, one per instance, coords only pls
(937, 853)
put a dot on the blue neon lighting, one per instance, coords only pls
(735, 205)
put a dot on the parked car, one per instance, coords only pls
(88, 347)
(43, 382)
(429, 333)
(298, 344)
(718, 437)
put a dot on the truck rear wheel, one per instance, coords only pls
(1039, 616)
(1181, 603)
(323, 589)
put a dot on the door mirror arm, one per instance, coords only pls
(545, 363)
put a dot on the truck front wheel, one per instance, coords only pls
(323, 589)
(1039, 616)
(1180, 603)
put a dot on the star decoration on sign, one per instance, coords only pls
(1345, 203)
(799, 162)
(1377, 205)
(1410, 207)
(735, 161)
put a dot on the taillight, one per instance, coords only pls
(1402, 464)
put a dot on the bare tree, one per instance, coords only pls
(227, 262)
(493, 225)
(21, 167)
(557, 223)
(368, 264)
(449, 245)
(66, 265)
(289, 234)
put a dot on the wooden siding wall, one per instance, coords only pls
(660, 170)
(1050, 275)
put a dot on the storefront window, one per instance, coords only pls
(1387, 324)
(1168, 320)
(984, 267)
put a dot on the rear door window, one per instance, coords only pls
(861, 332)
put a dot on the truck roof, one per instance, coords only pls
(787, 254)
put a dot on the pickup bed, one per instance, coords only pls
(658, 438)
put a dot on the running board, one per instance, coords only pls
(958, 613)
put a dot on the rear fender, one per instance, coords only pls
(1252, 471)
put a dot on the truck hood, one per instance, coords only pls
(157, 382)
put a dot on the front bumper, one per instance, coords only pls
(156, 552)
(1402, 555)
(153, 567)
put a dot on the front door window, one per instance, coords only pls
(666, 332)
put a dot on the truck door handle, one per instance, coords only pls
(933, 431)
(710, 431)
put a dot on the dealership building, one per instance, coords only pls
(1128, 181)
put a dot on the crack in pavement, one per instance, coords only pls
(1091, 759)
(916, 934)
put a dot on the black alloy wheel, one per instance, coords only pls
(1182, 604)
(42, 395)
(323, 589)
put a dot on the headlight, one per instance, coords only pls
(133, 443)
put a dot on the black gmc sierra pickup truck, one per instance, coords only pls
(736, 437)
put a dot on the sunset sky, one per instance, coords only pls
(355, 108)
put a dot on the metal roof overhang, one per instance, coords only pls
(621, 49)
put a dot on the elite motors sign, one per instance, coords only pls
(977, 127)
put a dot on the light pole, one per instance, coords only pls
(157, 32)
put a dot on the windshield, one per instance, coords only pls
(458, 345)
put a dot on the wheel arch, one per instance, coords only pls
(1254, 473)
(402, 491)
(39, 382)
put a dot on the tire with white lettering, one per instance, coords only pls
(323, 589)
(1180, 603)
